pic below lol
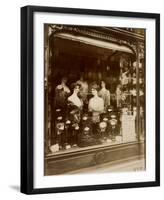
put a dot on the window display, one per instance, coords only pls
(94, 95)
(94, 92)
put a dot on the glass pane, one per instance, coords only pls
(94, 87)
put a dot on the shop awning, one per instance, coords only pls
(95, 42)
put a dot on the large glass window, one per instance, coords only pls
(94, 89)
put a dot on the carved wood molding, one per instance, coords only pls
(98, 33)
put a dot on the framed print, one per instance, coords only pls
(90, 99)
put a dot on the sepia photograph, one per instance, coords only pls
(90, 99)
(94, 99)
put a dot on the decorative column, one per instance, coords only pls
(138, 92)
(47, 88)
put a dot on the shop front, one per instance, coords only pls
(94, 96)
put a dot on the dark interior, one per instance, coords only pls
(75, 59)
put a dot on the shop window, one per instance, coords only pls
(92, 96)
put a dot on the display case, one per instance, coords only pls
(94, 96)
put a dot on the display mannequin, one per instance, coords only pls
(96, 104)
(105, 94)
